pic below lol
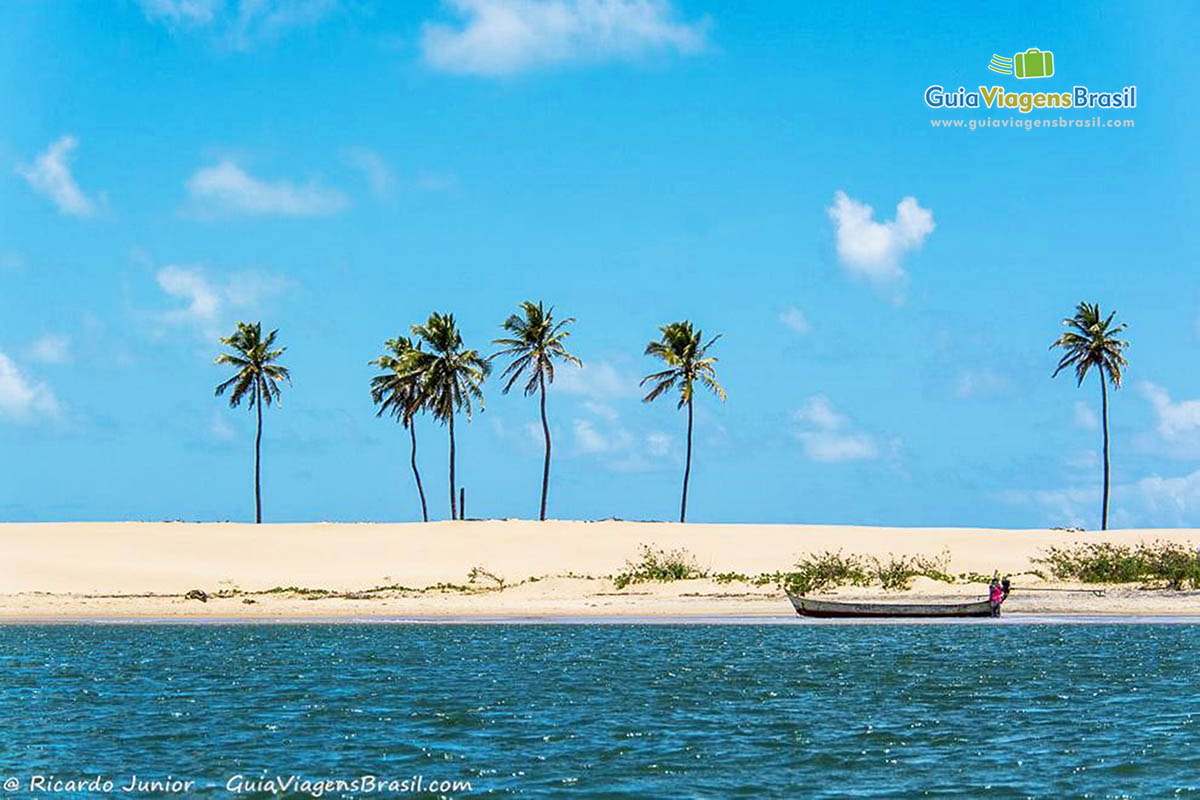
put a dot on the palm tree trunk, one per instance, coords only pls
(453, 498)
(546, 463)
(258, 457)
(1104, 414)
(687, 469)
(412, 433)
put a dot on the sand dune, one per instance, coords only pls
(108, 569)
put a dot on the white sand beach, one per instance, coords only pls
(554, 568)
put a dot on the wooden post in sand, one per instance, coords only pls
(462, 502)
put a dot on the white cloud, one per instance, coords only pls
(227, 188)
(181, 11)
(205, 304)
(1174, 419)
(238, 23)
(595, 379)
(659, 444)
(590, 439)
(504, 37)
(1152, 501)
(795, 319)
(50, 175)
(818, 411)
(603, 435)
(22, 399)
(1084, 416)
(827, 435)
(873, 250)
(201, 300)
(51, 348)
(979, 383)
(373, 167)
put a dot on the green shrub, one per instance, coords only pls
(897, 573)
(1165, 564)
(827, 570)
(659, 565)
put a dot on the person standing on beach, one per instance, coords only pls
(995, 595)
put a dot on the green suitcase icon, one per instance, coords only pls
(1033, 63)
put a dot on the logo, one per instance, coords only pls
(1033, 63)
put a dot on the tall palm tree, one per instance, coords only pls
(257, 378)
(451, 377)
(687, 362)
(536, 342)
(399, 392)
(1091, 341)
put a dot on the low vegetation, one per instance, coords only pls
(815, 572)
(659, 565)
(1154, 565)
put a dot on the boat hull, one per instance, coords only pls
(807, 607)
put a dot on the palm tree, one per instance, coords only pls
(687, 362)
(450, 377)
(257, 377)
(399, 392)
(537, 341)
(1092, 342)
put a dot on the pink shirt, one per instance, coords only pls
(997, 594)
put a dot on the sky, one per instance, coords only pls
(886, 290)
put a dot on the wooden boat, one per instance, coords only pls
(807, 607)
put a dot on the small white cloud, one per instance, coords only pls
(504, 37)
(1174, 419)
(795, 319)
(659, 444)
(604, 435)
(595, 379)
(827, 435)
(51, 348)
(50, 175)
(1152, 501)
(227, 188)
(373, 167)
(819, 412)
(175, 12)
(979, 383)
(831, 447)
(1084, 417)
(589, 439)
(207, 305)
(23, 399)
(873, 250)
(238, 23)
(201, 301)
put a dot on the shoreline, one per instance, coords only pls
(632, 620)
(510, 570)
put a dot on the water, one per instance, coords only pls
(638, 711)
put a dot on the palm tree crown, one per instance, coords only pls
(1092, 342)
(537, 341)
(450, 377)
(687, 362)
(397, 391)
(254, 357)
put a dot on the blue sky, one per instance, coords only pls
(340, 169)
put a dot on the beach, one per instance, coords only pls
(508, 569)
